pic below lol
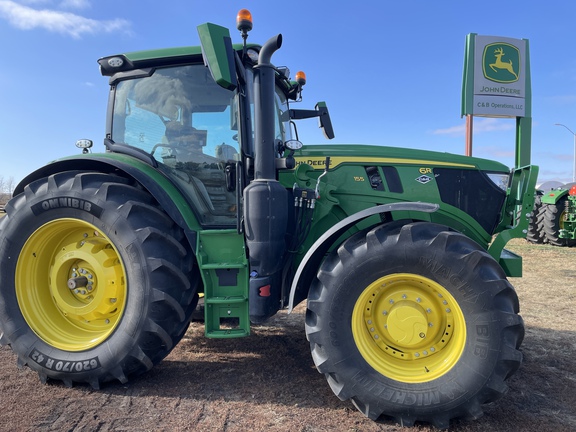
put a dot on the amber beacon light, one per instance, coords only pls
(301, 78)
(244, 21)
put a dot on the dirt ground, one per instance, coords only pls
(268, 381)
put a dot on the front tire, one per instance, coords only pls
(96, 281)
(414, 322)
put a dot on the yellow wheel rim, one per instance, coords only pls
(70, 284)
(408, 328)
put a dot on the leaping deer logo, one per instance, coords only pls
(499, 64)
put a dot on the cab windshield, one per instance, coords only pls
(191, 126)
(177, 114)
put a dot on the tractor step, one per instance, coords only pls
(224, 267)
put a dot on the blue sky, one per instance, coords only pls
(390, 71)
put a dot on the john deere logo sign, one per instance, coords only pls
(496, 77)
(501, 62)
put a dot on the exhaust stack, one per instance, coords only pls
(265, 200)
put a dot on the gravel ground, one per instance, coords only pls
(268, 381)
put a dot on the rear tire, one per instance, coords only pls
(414, 322)
(553, 223)
(96, 281)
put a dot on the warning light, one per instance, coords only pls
(244, 21)
(301, 78)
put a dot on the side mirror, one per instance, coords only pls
(324, 120)
(323, 115)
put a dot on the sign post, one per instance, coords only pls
(497, 84)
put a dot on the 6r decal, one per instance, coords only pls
(64, 366)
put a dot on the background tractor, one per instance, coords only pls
(553, 220)
(205, 190)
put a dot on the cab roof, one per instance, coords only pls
(113, 64)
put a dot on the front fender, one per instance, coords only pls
(313, 258)
(159, 186)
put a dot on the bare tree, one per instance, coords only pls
(6, 188)
(7, 185)
(10, 185)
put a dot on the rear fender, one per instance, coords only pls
(163, 190)
(311, 262)
(553, 196)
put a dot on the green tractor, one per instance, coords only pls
(553, 220)
(204, 191)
